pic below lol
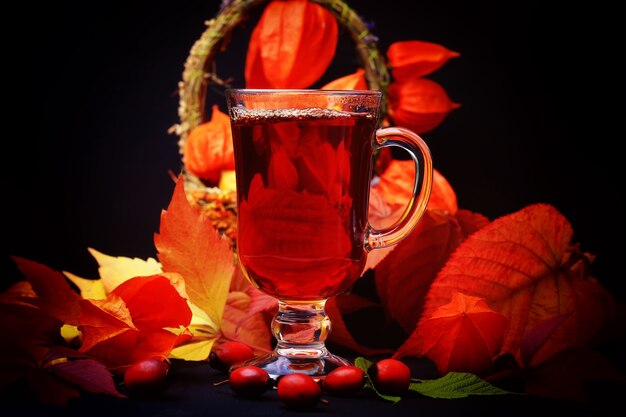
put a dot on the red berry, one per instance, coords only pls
(229, 354)
(390, 376)
(299, 391)
(249, 381)
(147, 377)
(345, 380)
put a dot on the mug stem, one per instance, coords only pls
(300, 328)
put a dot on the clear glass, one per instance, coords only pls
(303, 163)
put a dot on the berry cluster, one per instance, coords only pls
(300, 391)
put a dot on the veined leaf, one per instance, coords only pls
(455, 385)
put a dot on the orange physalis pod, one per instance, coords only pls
(412, 59)
(209, 148)
(354, 81)
(418, 104)
(291, 46)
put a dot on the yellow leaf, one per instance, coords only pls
(188, 244)
(69, 332)
(115, 270)
(89, 288)
(199, 347)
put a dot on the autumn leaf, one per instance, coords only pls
(524, 266)
(188, 244)
(55, 296)
(463, 335)
(414, 264)
(78, 369)
(413, 59)
(131, 323)
(418, 104)
(355, 81)
(250, 329)
(417, 259)
(27, 332)
(291, 46)
(113, 271)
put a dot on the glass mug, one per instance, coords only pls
(303, 162)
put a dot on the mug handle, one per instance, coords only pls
(415, 146)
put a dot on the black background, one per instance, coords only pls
(93, 91)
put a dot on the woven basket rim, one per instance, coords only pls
(197, 75)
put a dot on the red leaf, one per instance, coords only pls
(291, 46)
(413, 59)
(189, 245)
(154, 302)
(240, 325)
(462, 335)
(120, 333)
(525, 268)
(27, 334)
(418, 104)
(56, 297)
(536, 337)
(90, 375)
(413, 265)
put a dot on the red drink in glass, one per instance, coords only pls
(303, 191)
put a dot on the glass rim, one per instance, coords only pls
(311, 91)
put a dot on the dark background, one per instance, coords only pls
(93, 88)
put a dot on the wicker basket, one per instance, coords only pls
(218, 204)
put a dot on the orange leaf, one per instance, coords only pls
(354, 81)
(418, 104)
(524, 266)
(188, 244)
(413, 265)
(412, 59)
(291, 46)
(208, 149)
(462, 335)
(239, 325)
(56, 297)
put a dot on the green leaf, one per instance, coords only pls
(364, 365)
(455, 385)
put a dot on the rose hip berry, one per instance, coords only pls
(390, 376)
(345, 380)
(229, 354)
(299, 391)
(147, 377)
(249, 381)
